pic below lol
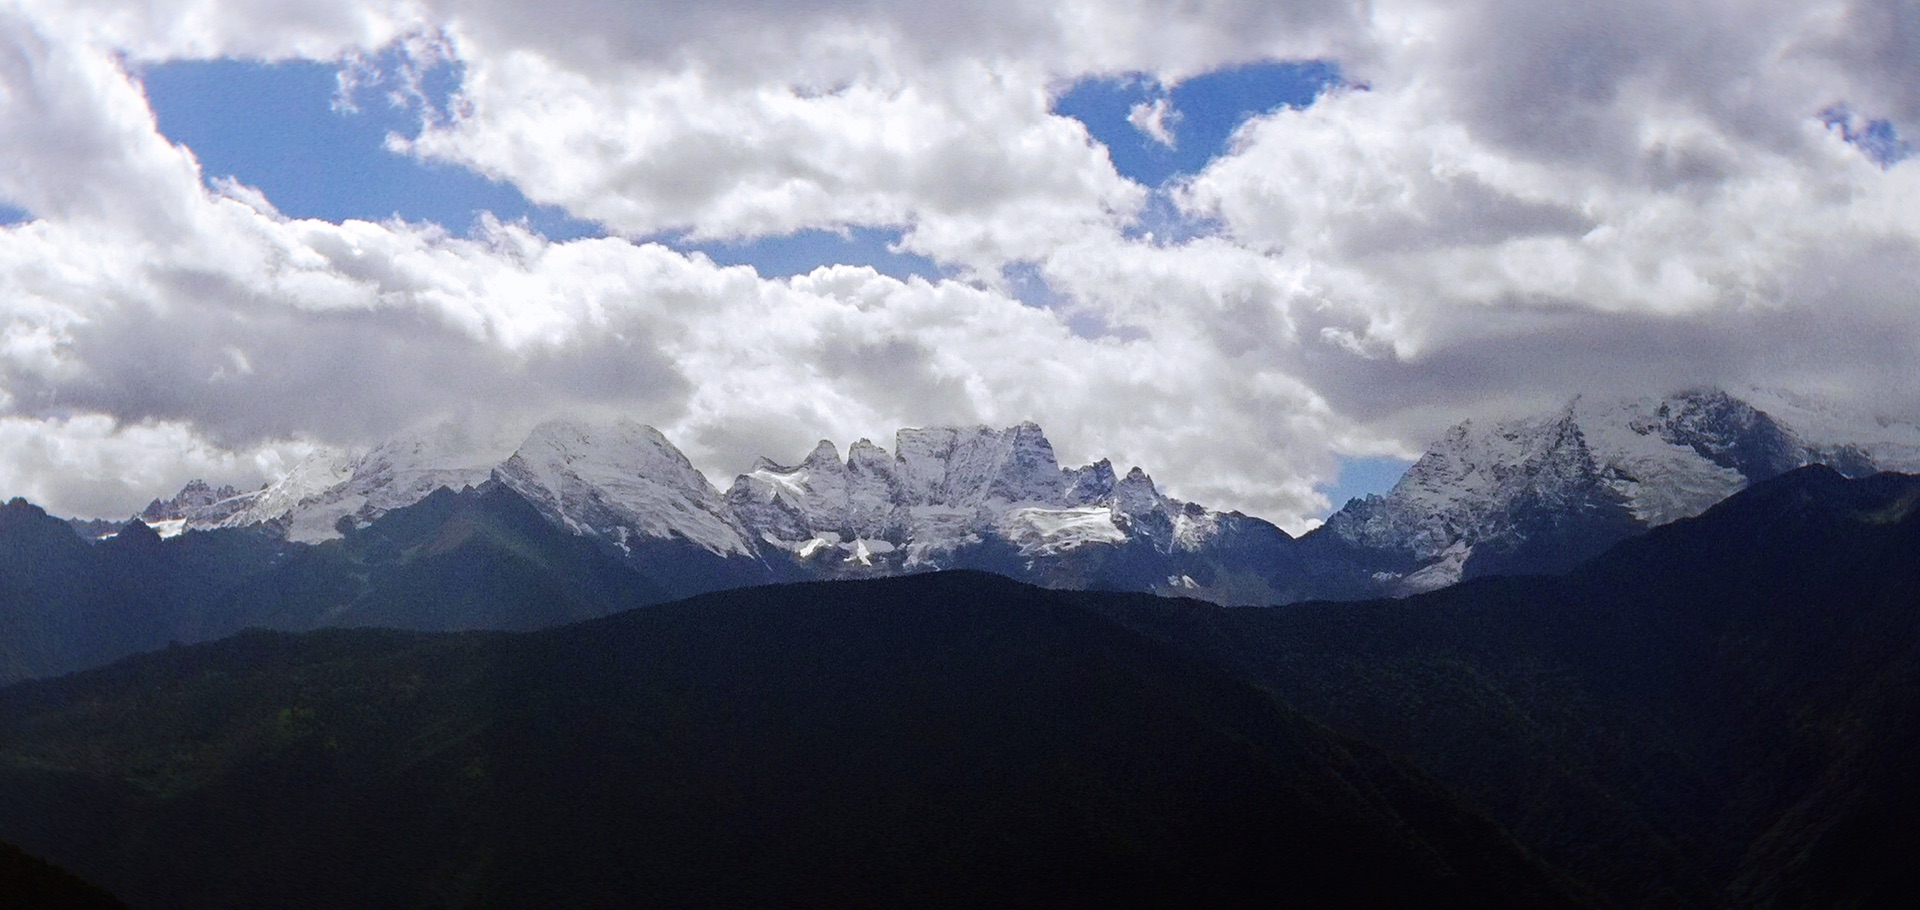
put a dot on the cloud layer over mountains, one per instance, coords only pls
(1506, 204)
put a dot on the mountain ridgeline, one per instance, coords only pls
(1540, 493)
(1719, 713)
(1544, 493)
(970, 497)
(420, 533)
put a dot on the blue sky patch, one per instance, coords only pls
(1876, 138)
(1163, 221)
(1360, 476)
(1029, 285)
(803, 251)
(275, 127)
(13, 215)
(1199, 115)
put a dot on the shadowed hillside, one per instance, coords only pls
(1722, 712)
(27, 883)
(953, 740)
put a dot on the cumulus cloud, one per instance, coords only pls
(238, 328)
(1615, 198)
(744, 118)
(1509, 204)
(1156, 120)
(972, 164)
(95, 465)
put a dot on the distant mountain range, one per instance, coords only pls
(971, 497)
(603, 518)
(1720, 712)
(1534, 494)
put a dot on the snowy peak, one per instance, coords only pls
(615, 482)
(398, 472)
(824, 457)
(1135, 494)
(1091, 484)
(309, 485)
(948, 489)
(198, 501)
(1674, 457)
(975, 497)
(971, 465)
(864, 456)
(793, 506)
(1724, 430)
(1460, 489)
(622, 450)
(943, 490)
(618, 482)
(1541, 491)
(1535, 493)
(1887, 443)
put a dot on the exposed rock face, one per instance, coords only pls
(195, 502)
(950, 489)
(1545, 492)
(946, 497)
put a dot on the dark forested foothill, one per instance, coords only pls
(938, 740)
(28, 883)
(1723, 712)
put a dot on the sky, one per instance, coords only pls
(1266, 250)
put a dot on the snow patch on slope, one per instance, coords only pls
(311, 501)
(168, 527)
(1660, 481)
(1892, 444)
(1039, 531)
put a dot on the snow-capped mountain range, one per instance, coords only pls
(1537, 493)
(1543, 492)
(948, 488)
(945, 497)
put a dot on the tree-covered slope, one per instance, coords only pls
(483, 558)
(1721, 712)
(952, 740)
(67, 604)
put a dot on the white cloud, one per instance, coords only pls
(1155, 119)
(743, 118)
(1578, 199)
(1527, 200)
(238, 328)
(91, 464)
(971, 163)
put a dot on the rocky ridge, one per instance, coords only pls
(945, 497)
(1544, 492)
(950, 487)
(1532, 494)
